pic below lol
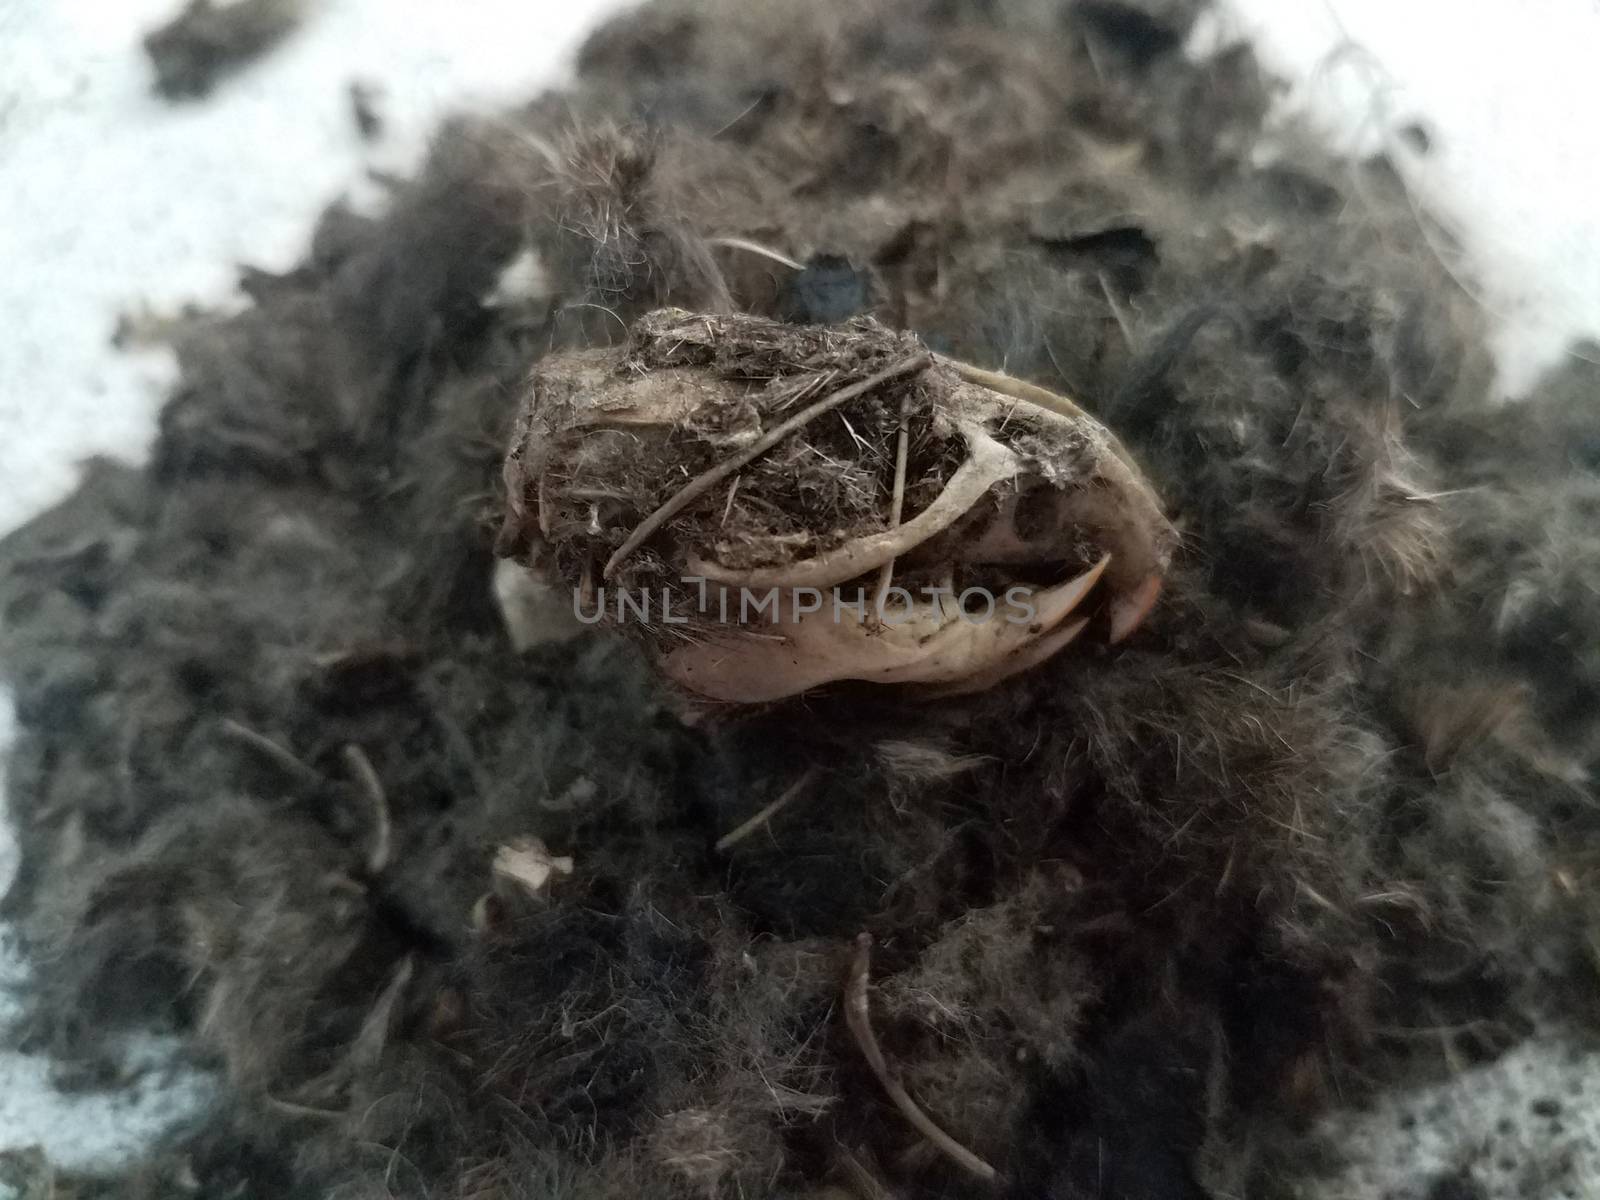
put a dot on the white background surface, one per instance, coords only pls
(110, 198)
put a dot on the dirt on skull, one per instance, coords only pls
(802, 446)
(462, 907)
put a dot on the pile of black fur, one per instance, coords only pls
(1137, 916)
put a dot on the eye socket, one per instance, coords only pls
(1019, 422)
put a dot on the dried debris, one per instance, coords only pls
(1137, 914)
(366, 109)
(529, 864)
(857, 1010)
(206, 41)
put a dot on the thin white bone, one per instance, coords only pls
(988, 463)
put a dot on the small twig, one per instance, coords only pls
(370, 1039)
(737, 243)
(361, 767)
(268, 749)
(898, 501)
(586, 584)
(458, 743)
(125, 779)
(304, 1110)
(761, 99)
(731, 839)
(1116, 311)
(865, 1184)
(610, 312)
(858, 1017)
(704, 482)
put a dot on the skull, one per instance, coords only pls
(773, 508)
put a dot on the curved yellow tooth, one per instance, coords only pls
(1063, 598)
(962, 647)
(1128, 612)
(1028, 657)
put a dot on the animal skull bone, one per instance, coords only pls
(1016, 489)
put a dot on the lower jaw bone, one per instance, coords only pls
(926, 643)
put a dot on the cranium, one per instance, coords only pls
(824, 471)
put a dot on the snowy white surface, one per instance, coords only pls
(111, 198)
(1525, 1127)
(91, 1128)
